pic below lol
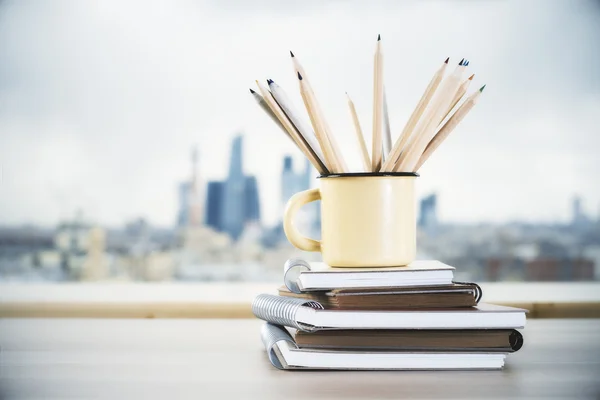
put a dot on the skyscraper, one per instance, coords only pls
(214, 205)
(251, 202)
(240, 203)
(233, 205)
(191, 197)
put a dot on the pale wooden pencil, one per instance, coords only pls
(449, 126)
(294, 134)
(263, 104)
(336, 156)
(414, 118)
(376, 149)
(362, 145)
(309, 103)
(462, 89)
(294, 116)
(429, 122)
(387, 130)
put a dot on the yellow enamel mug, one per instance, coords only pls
(367, 219)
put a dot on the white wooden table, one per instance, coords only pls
(212, 358)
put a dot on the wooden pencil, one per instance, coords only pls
(462, 90)
(414, 117)
(449, 126)
(431, 119)
(261, 102)
(291, 129)
(317, 124)
(362, 145)
(323, 133)
(294, 116)
(387, 130)
(376, 149)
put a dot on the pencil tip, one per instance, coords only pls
(471, 77)
(252, 91)
(269, 81)
(483, 87)
(299, 76)
(467, 63)
(378, 37)
(291, 54)
(447, 59)
(461, 62)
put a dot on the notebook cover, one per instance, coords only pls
(274, 335)
(486, 340)
(446, 296)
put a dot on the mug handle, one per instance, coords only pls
(292, 207)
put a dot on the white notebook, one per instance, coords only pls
(309, 315)
(418, 273)
(284, 354)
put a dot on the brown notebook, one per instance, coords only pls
(445, 296)
(502, 340)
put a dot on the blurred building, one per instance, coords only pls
(233, 203)
(191, 197)
(251, 204)
(579, 218)
(309, 216)
(214, 205)
(428, 219)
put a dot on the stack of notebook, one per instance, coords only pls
(412, 317)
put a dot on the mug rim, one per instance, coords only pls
(368, 174)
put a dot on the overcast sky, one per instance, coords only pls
(101, 101)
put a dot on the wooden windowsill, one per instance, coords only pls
(233, 300)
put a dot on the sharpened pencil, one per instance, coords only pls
(323, 132)
(261, 102)
(290, 111)
(376, 149)
(291, 129)
(460, 93)
(429, 122)
(414, 117)
(309, 103)
(449, 126)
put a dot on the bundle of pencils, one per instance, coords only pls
(443, 105)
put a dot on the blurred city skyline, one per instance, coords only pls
(100, 103)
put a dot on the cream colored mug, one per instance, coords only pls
(367, 219)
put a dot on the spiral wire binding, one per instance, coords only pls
(281, 310)
(270, 335)
(291, 272)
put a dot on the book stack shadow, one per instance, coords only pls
(402, 318)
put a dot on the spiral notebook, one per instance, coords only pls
(444, 296)
(310, 315)
(320, 276)
(285, 354)
(446, 340)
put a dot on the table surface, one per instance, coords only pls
(203, 359)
